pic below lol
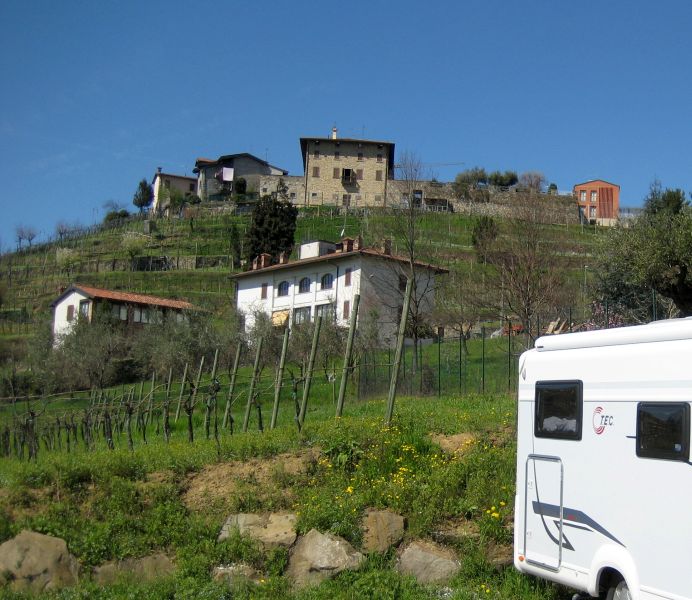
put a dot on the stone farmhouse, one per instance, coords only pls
(163, 183)
(598, 201)
(324, 280)
(133, 310)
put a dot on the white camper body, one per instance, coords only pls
(603, 461)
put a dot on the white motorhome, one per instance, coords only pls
(603, 461)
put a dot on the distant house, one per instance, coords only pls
(132, 309)
(324, 281)
(216, 179)
(345, 171)
(598, 201)
(164, 183)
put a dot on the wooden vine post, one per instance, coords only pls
(399, 348)
(279, 379)
(308, 376)
(227, 417)
(253, 381)
(348, 355)
(180, 397)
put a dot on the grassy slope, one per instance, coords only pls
(115, 504)
(36, 277)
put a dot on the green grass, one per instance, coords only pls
(116, 504)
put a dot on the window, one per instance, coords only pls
(313, 195)
(378, 198)
(167, 184)
(347, 309)
(265, 286)
(336, 155)
(301, 315)
(315, 171)
(346, 200)
(347, 277)
(327, 281)
(283, 289)
(402, 283)
(264, 190)
(378, 175)
(347, 175)
(663, 430)
(293, 195)
(326, 311)
(304, 285)
(84, 308)
(360, 156)
(316, 154)
(379, 158)
(192, 187)
(359, 174)
(582, 196)
(594, 196)
(558, 410)
(592, 212)
(70, 312)
(337, 173)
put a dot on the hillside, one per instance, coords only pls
(192, 257)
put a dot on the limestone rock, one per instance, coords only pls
(382, 529)
(428, 562)
(320, 556)
(147, 568)
(36, 563)
(276, 529)
(237, 575)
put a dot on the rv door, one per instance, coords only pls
(543, 536)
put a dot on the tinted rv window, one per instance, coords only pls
(663, 430)
(558, 409)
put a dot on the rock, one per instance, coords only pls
(428, 562)
(319, 556)
(382, 529)
(36, 563)
(499, 556)
(147, 568)
(237, 576)
(276, 529)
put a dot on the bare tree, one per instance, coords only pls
(532, 181)
(62, 230)
(405, 225)
(24, 232)
(526, 273)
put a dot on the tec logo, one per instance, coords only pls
(601, 420)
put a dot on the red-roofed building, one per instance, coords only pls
(325, 280)
(131, 309)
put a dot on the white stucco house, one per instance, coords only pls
(324, 281)
(131, 309)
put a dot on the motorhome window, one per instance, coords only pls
(663, 430)
(558, 410)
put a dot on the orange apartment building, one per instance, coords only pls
(599, 201)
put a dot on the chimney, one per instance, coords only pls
(387, 246)
(255, 263)
(334, 132)
(264, 260)
(283, 258)
(347, 244)
(358, 243)
(158, 169)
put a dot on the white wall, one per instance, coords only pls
(61, 326)
(376, 280)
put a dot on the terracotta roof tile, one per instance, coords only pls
(131, 298)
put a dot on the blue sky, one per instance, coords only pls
(96, 95)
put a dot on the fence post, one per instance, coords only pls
(347, 356)
(251, 393)
(483, 359)
(308, 379)
(180, 397)
(231, 387)
(509, 354)
(397, 356)
(439, 364)
(279, 379)
(207, 412)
